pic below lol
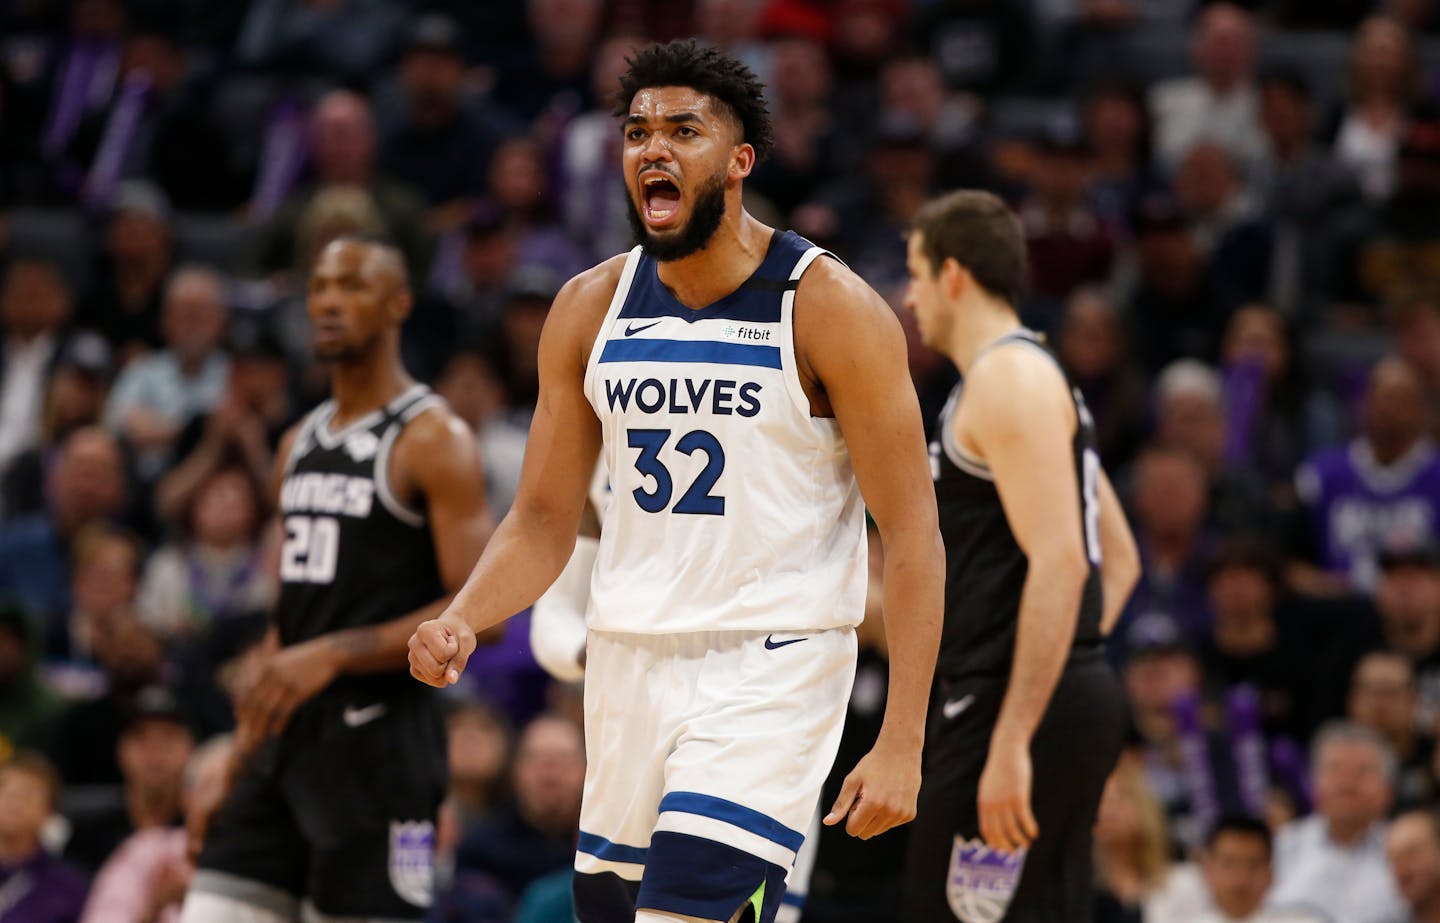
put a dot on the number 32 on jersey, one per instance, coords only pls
(697, 498)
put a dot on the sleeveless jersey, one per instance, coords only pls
(354, 555)
(733, 509)
(985, 568)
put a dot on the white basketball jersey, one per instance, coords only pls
(733, 508)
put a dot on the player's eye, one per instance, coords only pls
(685, 131)
(634, 134)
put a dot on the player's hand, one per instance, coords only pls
(879, 793)
(439, 650)
(1006, 821)
(284, 680)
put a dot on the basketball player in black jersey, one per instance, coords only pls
(1028, 718)
(381, 497)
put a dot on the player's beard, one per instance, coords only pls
(694, 235)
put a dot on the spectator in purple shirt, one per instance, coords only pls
(35, 887)
(1382, 488)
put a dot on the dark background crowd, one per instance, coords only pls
(1233, 216)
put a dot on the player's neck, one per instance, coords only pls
(977, 325)
(360, 387)
(732, 256)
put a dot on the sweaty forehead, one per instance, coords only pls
(660, 102)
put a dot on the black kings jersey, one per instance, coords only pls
(985, 568)
(353, 554)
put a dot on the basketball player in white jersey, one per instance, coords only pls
(745, 389)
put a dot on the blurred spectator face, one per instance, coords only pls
(34, 299)
(1417, 338)
(1394, 413)
(610, 65)
(342, 138)
(152, 754)
(1350, 785)
(98, 19)
(130, 654)
(1061, 177)
(550, 773)
(1169, 493)
(1257, 333)
(517, 176)
(1285, 116)
(1114, 124)
(865, 30)
(488, 258)
(564, 23)
(1242, 601)
(1194, 422)
(106, 568)
(256, 381)
(1154, 680)
(471, 388)
(1237, 871)
(138, 237)
(193, 320)
(726, 22)
(1408, 599)
(913, 88)
(1382, 59)
(479, 750)
(1206, 182)
(75, 398)
(226, 511)
(157, 57)
(1383, 695)
(1413, 847)
(88, 479)
(26, 800)
(434, 79)
(1170, 262)
(1090, 338)
(800, 73)
(1224, 47)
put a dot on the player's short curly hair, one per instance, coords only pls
(687, 63)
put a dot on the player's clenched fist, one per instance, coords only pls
(439, 650)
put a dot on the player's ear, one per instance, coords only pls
(954, 278)
(742, 161)
(400, 304)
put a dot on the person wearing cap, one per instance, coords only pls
(154, 746)
(123, 301)
(442, 140)
(1068, 245)
(1173, 300)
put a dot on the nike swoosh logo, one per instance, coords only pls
(954, 707)
(631, 330)
(771, 644)
(354, 717)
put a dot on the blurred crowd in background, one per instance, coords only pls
(1233, 214)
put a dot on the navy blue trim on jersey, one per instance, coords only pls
(736, 815)
(756, 301)
(699, 877)
(604, 897)
(655, 350)
(601, 848)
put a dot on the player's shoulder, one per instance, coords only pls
(831, 286)
(1021, 373)
(433, 429)
(591, 290)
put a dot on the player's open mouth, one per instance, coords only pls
(662, 197)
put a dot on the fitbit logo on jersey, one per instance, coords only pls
(685, 395)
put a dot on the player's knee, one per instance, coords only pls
(203, 907)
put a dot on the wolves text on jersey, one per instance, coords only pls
(685, 395)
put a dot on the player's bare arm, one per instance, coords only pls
(1042, 504)
(1119, 560)
(530, 547)
(851, 353)
(436, 458)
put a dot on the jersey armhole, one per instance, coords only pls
(303, 436)
(617, 301)
(790, 366)
(409, 515)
